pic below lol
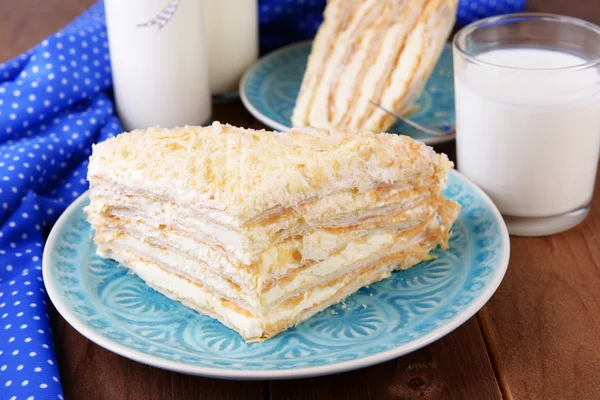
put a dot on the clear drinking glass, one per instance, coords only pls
(528, 116)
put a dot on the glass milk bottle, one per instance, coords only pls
(232, 40)
(159, 62)
(528, 116)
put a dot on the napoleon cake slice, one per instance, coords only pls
(261, 230)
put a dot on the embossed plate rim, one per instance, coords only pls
(256, 113)
(71, 317)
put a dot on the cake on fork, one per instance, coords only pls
(261, 230)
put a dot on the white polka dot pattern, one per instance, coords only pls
(52, 109)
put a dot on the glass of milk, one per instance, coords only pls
(528, 116)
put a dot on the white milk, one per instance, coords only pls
(160, 75)
(529, 138)
(232, 40)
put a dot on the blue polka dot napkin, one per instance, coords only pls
(54, 104)
(52, 108)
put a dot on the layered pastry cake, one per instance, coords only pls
(371, 50)
(261, 230)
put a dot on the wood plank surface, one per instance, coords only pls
(540, 328)
(454, 367)
(586, 9)
(90, 372)
(24, 23)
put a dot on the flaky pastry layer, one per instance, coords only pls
(290, 313)
(355, 254)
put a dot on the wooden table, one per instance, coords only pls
(537, 338)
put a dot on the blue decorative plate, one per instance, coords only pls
(269, 89)
(118, 311)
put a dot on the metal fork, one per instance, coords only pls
(412, 123)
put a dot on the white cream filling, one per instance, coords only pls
(185, 267)
(355, 255)
(372, 81)
(187, 292)
(250, 327)
(157, 213)
(246, 244)
(274, 263)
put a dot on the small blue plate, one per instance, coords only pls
(269, 89)
(411, 309)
